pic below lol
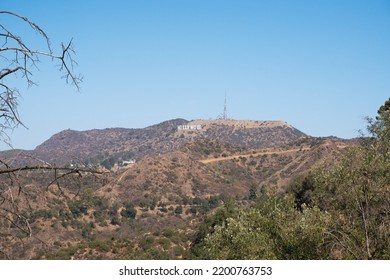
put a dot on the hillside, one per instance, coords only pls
(170, 193)
(223, 171)
(115, 144)
(149, 209)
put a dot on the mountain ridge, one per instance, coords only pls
(96, 145)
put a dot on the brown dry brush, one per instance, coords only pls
(19, 187)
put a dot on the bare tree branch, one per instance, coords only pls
(71, 170)
(32, 25)
(6, 72)
(19, 58)
(22, 59)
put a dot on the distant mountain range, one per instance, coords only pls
(96, 145)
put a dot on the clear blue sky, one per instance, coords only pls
(322, 66)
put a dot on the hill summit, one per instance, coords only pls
(244, 133)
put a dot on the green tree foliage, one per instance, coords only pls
(302, 189)
(356, 193)
(383, 110)
(207, 226)
(129, 211)
(379, 128)
(252, 193)
(87, 200)
(179, 210)
(360, 190)
(108, 163)
(274, 229)
(235, 238)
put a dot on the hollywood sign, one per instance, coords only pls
(189, 127)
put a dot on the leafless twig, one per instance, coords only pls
(20, 58)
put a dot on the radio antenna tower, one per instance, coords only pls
(224, 116)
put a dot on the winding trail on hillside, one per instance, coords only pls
(254, 153)
(265, 152)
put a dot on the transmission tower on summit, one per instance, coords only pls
(224, 115)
